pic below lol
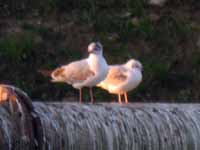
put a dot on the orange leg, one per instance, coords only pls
(91, 95)
(80, 96)
(126, 98)
(119, 99)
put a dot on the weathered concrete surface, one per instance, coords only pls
(74, 126)
(20, 125)
(114, 127)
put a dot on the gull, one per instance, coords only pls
(84, 73)
(122, 78)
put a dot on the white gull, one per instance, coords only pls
(122, 78)
(84, 73)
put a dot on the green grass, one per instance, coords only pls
(184, 95)
(69, 54)
(196, 60)
(161, 70)
(170, 30)
(118, 54)
(137, 7)
(41, 30)
(17, 45)
(162, 41)
(157, 69)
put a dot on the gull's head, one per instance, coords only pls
(95, 47)
(134, 64)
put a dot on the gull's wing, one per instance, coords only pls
(116, 75)
(74, 72)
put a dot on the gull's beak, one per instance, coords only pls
(95, 47)
(91, 47)
(139, 66)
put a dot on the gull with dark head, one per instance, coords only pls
(123, 78)
(84, 73)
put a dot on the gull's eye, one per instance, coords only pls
(98, 46)
(139, 66)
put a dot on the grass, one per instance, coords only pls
(112, 54)
(160, 42)
(160, 70)
(196, 61)
(41, 30)
(171, 30)
(17, 45)
(184, 95)
(144, 29)
(137, 7)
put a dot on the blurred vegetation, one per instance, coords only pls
(18, 45)
(44, 34)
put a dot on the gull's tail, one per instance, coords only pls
(58, 75)
(46, 73)
(102, 85)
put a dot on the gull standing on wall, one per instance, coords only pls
(84, 73)
(122, 78)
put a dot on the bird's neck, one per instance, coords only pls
(94, 57)
(136, 71)
(96, 62)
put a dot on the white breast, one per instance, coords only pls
(99, 65)
(134, 77)
(133, 81)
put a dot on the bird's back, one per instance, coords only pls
(120, 79)
(116, 75)
(76, 71)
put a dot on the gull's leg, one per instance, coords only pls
(80, 95)
(126, 98)
(91, 95)
(119, 99)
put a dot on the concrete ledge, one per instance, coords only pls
(106, 126)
